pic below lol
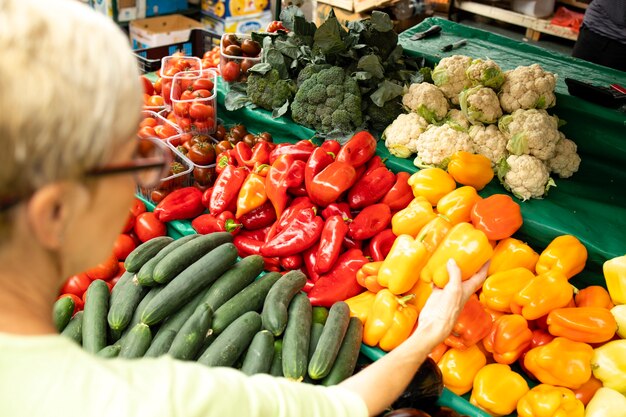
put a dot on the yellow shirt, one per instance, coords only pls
(49, 376)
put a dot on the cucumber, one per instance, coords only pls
(187, 254)
(144, 252)
(115, 335)
(124, 301)
(297, 337)
(74, 329)
(276, 369)
(95, 317)
(207, 342)
(62, 312)
(121, 283)
(234, 280)
(189, 282)
(348, 354)
(232, 342)
(140, 309)
(250, 298)
(320, 314)
(111, 351)
(160, 346)
(137, 342)
(191, 336)
(258, 359)
(144, 275)
(316, 332)
(274, 313)
(330, 340)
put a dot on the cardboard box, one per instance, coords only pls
(342, 15)
(357, 6)
(127, 10)
(246, 24)
(158, 31)
(222, 9)
(161, 7)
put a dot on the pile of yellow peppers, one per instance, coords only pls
(571, 342)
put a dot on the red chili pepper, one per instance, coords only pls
(300, 234)
(349, 243)
(229, 222)
(207, 223)
(331, 183)
(260, 217)
(340, 283)
(261, 152)
(224, 159)
(297, 205)
(292, 262)
(247, 246)
(370, 221)
(286, 172)
(243, 154)
(272, 264)
(300, 150)
(183, 203)
(309, 258)
(371, 188)
(358, 150)
(259, 234)
(381, 244)
(320, 158)
(331, 146)
(401, 194)
(298, 191)
(226, 189)
(335, 228)
(342, 209)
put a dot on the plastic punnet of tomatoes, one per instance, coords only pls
(193, 97)
(200, 150)
(156, 126)
(172, 65)
(238, 53)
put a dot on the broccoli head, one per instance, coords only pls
(269, 91)
(381, 117)
(306, 72)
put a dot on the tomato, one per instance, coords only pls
(113, 282)
(276, 25)
(181, 109)
(238, 132)
(220, 132)
(202, 153)
(138, 207)
(78, 302)
(223, 146)
(204, 176)
(203, 84)
(171, 117)
(123, 246)
(76, 284)
(167, 88)
(250, 48)
(230, 71)
(122, 269)
(158, 86)
(184, 123)
(158, 195)
(156, 101)
(146, 132)
(104, 270)
(246, 64)
(201, 94)
(201, 111)
(148, 88)
(148, 121)
(202, 126)
(147, 227)
(187, 95)
(130, 223)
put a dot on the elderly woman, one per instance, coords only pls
(69, 107)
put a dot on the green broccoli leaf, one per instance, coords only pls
(236, 97)
(261, 68)
(362, 75)
(371, 64)
(302, 27)
(328, 37)
(287, 48)
(276, 59)
(387, 91)
(381, 21)
(281, 110)
(288, 14)
(356, 26)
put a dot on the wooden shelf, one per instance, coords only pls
(574, 3)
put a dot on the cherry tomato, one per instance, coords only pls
(148, 88)
(156, 101)
(230, 39)
(204, 176)
(201, 111)
(230, 71)
(220, 132)
(104, 270)
(184, 123)
(138, 207)
(147, 227)
(149, 122)
(181, 109)
(78, 302)
(201, 94)
(76, 284)
(202, 126)
(158, 195)
(202, 153)
(202, 84)
(123, 246)
(146, 132)
(187, 95)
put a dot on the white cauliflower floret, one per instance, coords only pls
(525, 176)
(527, 88)
(426, 100)
(480, 105)
(489, 141)
(450, 75)
(566, 161)
(532, 132)
(486, 73)
(457, 120)
(437, 144)
(401, 136)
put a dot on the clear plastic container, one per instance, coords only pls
(180, 175)
(193, 97)
(172, 65)
(237, 72)
(158, 126)
(202, 175)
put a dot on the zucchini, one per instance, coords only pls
(137, 342)
(191, 336)
(125, 298)
(348, 354)
(330, 341)
(144, 275)
(140, 309)
(250, 298)
(316, 332)
(234, 280)
(160, 345)
(189, 282)
(62, 312)
(111, 351)
(95, 317)
(232, 342)
(258, 359)
(74, 329)
(297, 337)
(144, 252)
(276, 369)
(274, 313)
(187, 254)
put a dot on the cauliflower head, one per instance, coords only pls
(426, 100)
(486, 73)
(525, 176)
(437, 144)
(566, 160)
(402, 135)
(489, 141)
(450, 75)
(532, 132)
(527, 88)
(480, 105)
(457, 120)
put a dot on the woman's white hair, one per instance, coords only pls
(69, 92)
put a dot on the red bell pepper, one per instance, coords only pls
(208, 223)
(243, 154)
(299, 191)
(183, 203)
(261, 169)
(308, 286)
(271, 264)
(335, 228)
(400, 194)
(226, 189)
(258, 234)
(247, 246)
(302, 233)
(320, 158)
(349, 243)
(374, 163)
(370, 221)
(289, 263)
(260, 217)
(371, 188)
(224, 159)
(309, 258)
(261, 153)
(286, 172)
(473, 324)
(331, 146)
(341, 209)
(297, 205)
(340, 283)
(331, 183)
(381, 244)
(358, 150)
(300, 150)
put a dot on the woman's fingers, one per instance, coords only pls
(472, 285)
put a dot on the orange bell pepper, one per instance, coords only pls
(361, 305)
(410, 220)
(432, 183)
(497, 389)
(508, 339)
(421, 291)
(472, 325)
(593, 296)
(390, 322)
(615, 277)
(583, 324)
(561, 362)
(549, 401)
(498, 216)
(437, 353)
(433, 233)
(459, 367)
(586, 391)
(401, 268)
(565, 254)
(470, 169)
(500, 288)
(467, 246)
(542, 294)
(457, 205)
(251, 195)
(367, 276)
(512, 253)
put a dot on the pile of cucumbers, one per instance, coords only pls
(193, 299)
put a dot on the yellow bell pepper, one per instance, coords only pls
(512, 253)
(615, 277)
(421, 291)
(497, 389)
(542, 294)
(459, 367)
(457, 205)
(606, 403)
(500, 288)
(361, 305)
(470, 169)
(390, 322)
(433, 233)
(619, 314)
(367, 276)
(432, 183)
(410, 220)
(550, 401)
(560, 362)
(466, 245)
(508, 339)
(401, 268)
(565, 254)
(609, 365)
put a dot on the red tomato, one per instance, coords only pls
(122, 268)
(148, 88)
(203, 84)
(201, 94)
(105, 270)
(187, 95)
(201, 111)
(123, 246)
(148, 121)
(230, 71)
(147, 227)
(201, 126)
(146, 132)
(113, 282)
(157, 86)
(158, 195)
(109, 284)
(76, 284)
(130, 222)
(138, 207)
(156, 101)
(165, 93)
(181, 109)
(78, 302)
(184, 123)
